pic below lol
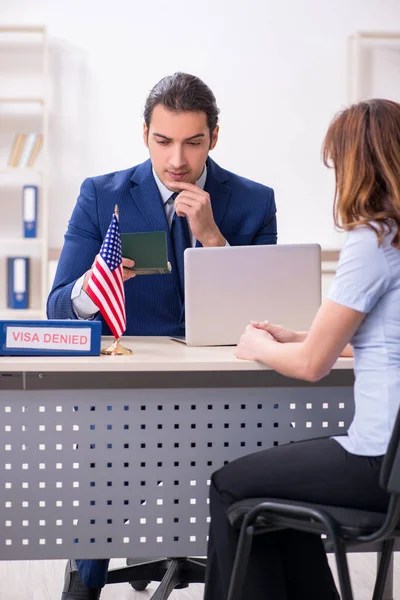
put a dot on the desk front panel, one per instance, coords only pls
(94, 473)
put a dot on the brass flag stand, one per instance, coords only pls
(117, 349)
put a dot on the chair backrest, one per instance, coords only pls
(390, 470)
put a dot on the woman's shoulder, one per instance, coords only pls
(362, 252)
(367, 236)
(361, 239)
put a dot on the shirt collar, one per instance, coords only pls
(165, 193)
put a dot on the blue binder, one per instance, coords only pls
(50, 338)
(29, 210)
(18, 282)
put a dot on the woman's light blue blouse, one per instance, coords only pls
(368, 280)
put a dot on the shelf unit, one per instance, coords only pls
(20, 107)
(23, 100)
(28, 313)
(354, 58)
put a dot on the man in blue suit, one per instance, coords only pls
(217, 208)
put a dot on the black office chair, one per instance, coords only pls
(173, 573)
(344, 527)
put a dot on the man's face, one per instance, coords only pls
(178, 144)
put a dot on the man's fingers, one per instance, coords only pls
(182, 185)
(128, 274)
(182, 202)
(193, 196)
(127, 271)
(183, 210)
(128, 263)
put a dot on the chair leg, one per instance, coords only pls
(383, 569)
(193, 569)
(241, 561)
(171, 580)
(173, 573)
(343, 569)
(150, 570)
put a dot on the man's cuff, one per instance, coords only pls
(83, 305)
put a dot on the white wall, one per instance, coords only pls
(277, 68)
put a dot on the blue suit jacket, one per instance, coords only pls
(243, 210)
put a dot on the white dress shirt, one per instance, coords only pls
(83, 305)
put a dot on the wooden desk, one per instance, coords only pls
(112, 456)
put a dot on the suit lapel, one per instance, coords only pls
(146, 199)
(217, 186)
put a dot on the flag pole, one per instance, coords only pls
(116, 348)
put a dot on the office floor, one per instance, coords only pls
(42, 580)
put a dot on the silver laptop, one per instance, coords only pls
(227, 287)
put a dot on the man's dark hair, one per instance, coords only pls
(182, 92)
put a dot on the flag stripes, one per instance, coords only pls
(106, 283)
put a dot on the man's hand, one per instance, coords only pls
(128, 273)
(194, 203)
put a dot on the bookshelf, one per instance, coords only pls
(358, 65)
(24, 109)
(23, 100)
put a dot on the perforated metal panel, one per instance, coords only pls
(102, 473)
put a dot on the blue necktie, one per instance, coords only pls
(180, 236)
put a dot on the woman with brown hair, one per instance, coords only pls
(363, 309)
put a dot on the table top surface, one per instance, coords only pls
(149, 354)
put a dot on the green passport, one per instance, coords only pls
(148, 250)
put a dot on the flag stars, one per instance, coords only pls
(110, 268)
(111, 250)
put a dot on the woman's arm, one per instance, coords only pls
(280, 334)
(311, 359)
(347, 351)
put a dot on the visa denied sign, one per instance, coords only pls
(50, 338)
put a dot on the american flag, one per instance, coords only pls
(106, 283)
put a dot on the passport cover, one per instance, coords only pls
(149, 251)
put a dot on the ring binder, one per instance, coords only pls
(18, 282)
(29, 210)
